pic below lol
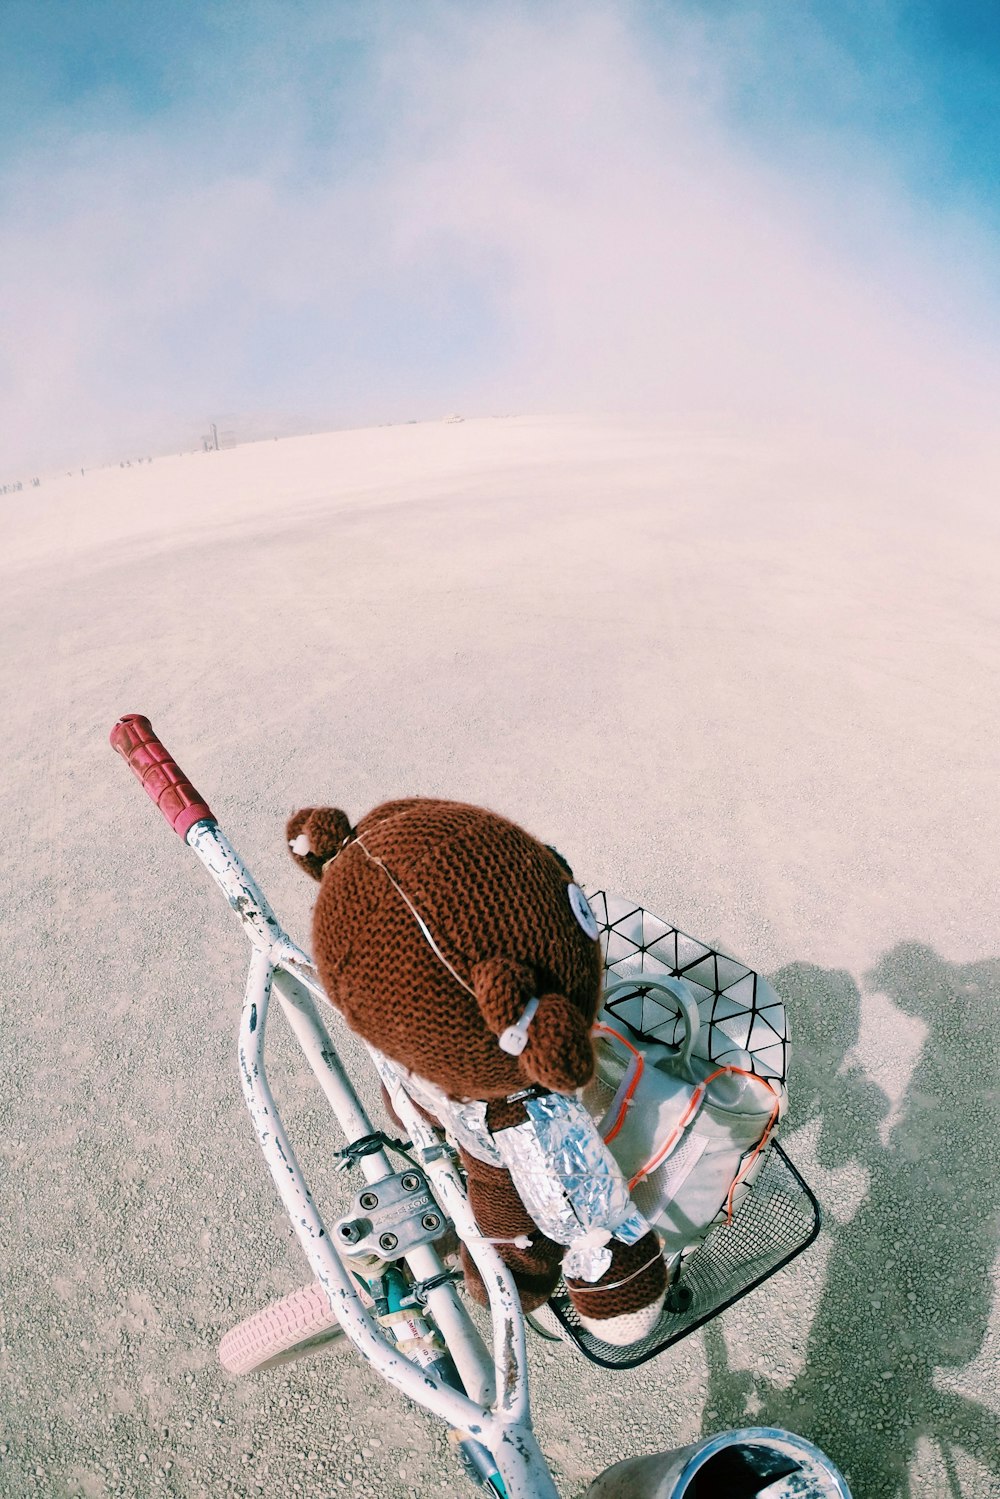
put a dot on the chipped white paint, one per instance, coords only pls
(495, 1410)
(236, 882)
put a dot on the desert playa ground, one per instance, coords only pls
(750, 682)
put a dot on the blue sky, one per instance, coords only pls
(917, 81)
(340, 213)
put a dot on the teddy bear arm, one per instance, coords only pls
(565, 1174)
(577, 1195)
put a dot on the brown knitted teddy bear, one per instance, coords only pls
(461, 948)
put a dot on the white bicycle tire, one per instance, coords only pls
(300, 1324)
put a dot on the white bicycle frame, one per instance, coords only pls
(493, 1414)
(495, 1409)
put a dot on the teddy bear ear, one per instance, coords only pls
(315, 835)
(559, 1053)
(502, 989)
(556, 1050)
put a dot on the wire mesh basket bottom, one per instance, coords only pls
(777, 1220)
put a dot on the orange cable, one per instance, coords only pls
(694, 1104)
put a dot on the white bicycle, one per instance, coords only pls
(383, 1275)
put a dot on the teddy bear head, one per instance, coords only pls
(455, 942)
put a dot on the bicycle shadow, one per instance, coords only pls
(909, 1287)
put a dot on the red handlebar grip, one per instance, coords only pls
(161, 777)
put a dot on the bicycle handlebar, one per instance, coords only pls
(162, 778)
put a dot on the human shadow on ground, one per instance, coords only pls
(909, 1286)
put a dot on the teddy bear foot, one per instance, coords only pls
(624, 1305)
(629, 1327)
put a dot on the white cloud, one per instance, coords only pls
(620, 246)
(644, 256)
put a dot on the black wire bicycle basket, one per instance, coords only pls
(778, 1217)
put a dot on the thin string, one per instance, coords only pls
(421, 923)
(591, 1290)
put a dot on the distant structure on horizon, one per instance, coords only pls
(218, 438)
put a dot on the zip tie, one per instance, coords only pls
(367, 1145)
(515, 1038)
(521, 1241)
(596, 1238)
(301, 846)
(423, 1288)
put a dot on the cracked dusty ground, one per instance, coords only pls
(756, 689)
